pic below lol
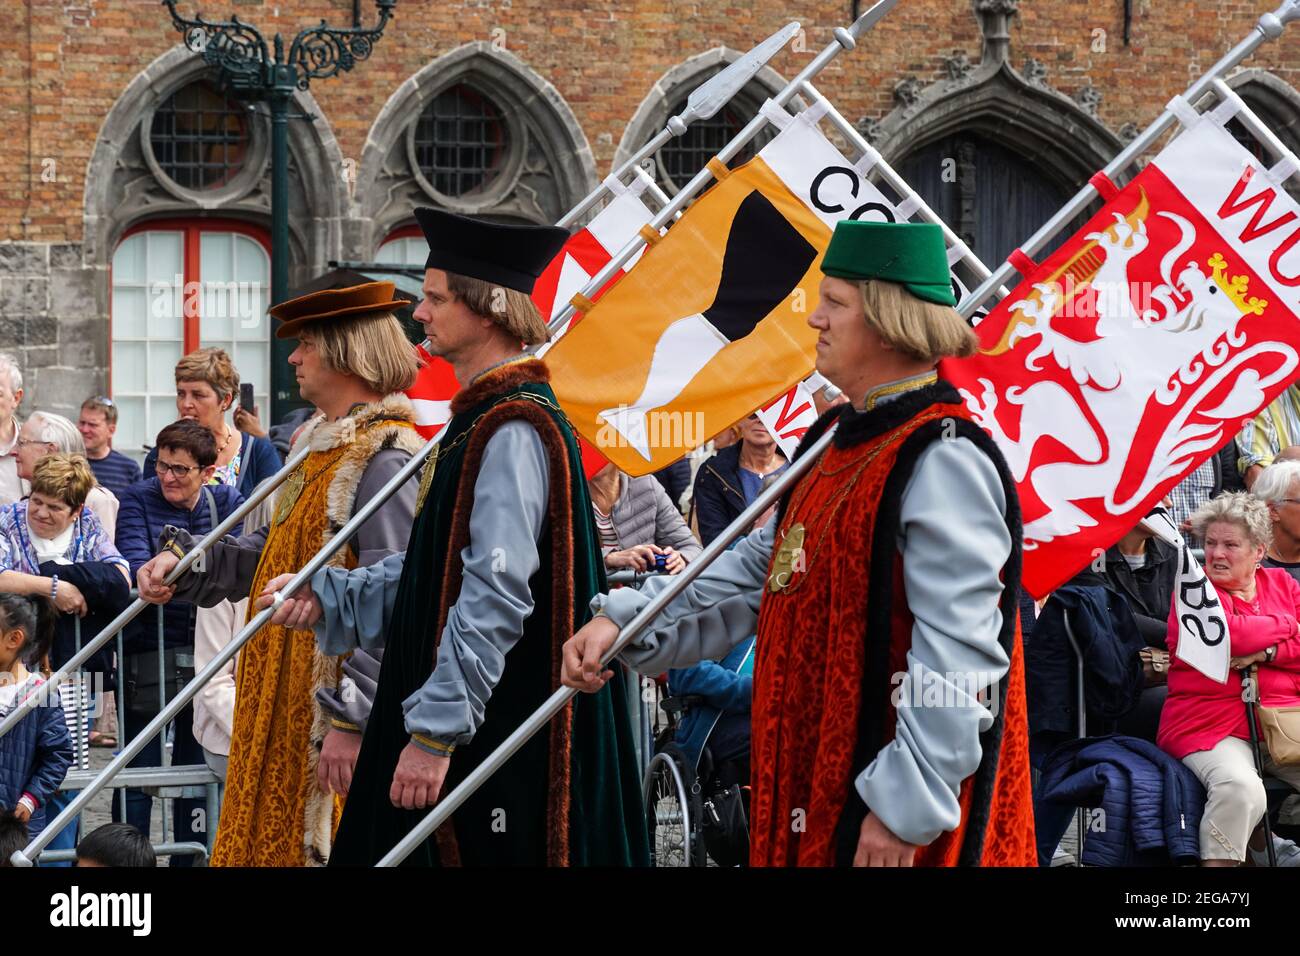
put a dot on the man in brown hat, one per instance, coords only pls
(502, 563)
(298, 713)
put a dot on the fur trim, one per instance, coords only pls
(559, 513)
(324, 435)
(368, 431)
(318, 812)
(500, 379)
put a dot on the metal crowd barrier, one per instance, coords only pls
(167, 782)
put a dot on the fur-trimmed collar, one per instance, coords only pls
(857, 427)
(325, 435)
(501, 379)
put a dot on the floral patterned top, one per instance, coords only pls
(90, 542)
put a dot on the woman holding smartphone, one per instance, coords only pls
(206, 388)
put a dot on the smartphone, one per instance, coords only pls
(246, 397)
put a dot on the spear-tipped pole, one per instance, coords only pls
(1269, 27)
(704, 101)
(845, 39)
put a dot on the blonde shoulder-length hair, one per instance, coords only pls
(925, 331)
(371, 347)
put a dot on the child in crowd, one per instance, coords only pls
(36, 754)
(115, 844)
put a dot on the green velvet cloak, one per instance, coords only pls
(538, 809)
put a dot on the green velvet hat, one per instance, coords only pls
(909, 253)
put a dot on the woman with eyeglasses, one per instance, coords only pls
(51, 544)
(177, 493)
(207, 386)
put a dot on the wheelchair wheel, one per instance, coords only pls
(670, 821)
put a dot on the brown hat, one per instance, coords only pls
(333, 304)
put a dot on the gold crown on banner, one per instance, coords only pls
(1235, 287)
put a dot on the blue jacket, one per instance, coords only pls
(1151, 803)
(258, 461)
(719, 497)
(724, 692)
(34, 758)
(141, 517)
(1108, 636)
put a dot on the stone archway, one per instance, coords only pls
(550, 166)
(123, 186)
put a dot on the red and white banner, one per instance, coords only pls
(789, 416)
(1140, 347)
(587, 252)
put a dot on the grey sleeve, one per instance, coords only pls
(671, 530)
(385, 533)
(349, 704)
(954, 542)
(225, 572)
(510, 498)
(389, 529)
(717, 611)
(357, 605)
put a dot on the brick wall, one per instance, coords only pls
(64, 64)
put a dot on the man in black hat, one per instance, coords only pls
(503, 563)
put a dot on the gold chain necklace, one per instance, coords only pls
(296, 483)
(426, 477)
(791, 555)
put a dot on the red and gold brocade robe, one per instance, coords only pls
(834, 631)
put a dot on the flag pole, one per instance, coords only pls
(704, 101)
(1269, 27)
(132, 611)
(845, 39)
(900, 186)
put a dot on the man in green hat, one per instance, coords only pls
(889, 723)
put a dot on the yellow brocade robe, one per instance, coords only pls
(273, 812)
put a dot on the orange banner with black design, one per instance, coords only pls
(710, 325)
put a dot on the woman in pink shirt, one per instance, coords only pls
(1204, 722)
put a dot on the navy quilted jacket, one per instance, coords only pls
(34, 757)
(1151, 803)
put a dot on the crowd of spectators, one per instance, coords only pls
(79, 517)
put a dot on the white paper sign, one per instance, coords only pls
(1202, 625)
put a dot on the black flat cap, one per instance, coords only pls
(511, 256)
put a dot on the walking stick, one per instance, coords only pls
(1251, 700)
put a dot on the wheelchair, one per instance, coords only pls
(693, 816)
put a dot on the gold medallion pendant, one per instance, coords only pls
(789, 558)
(289, 495)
